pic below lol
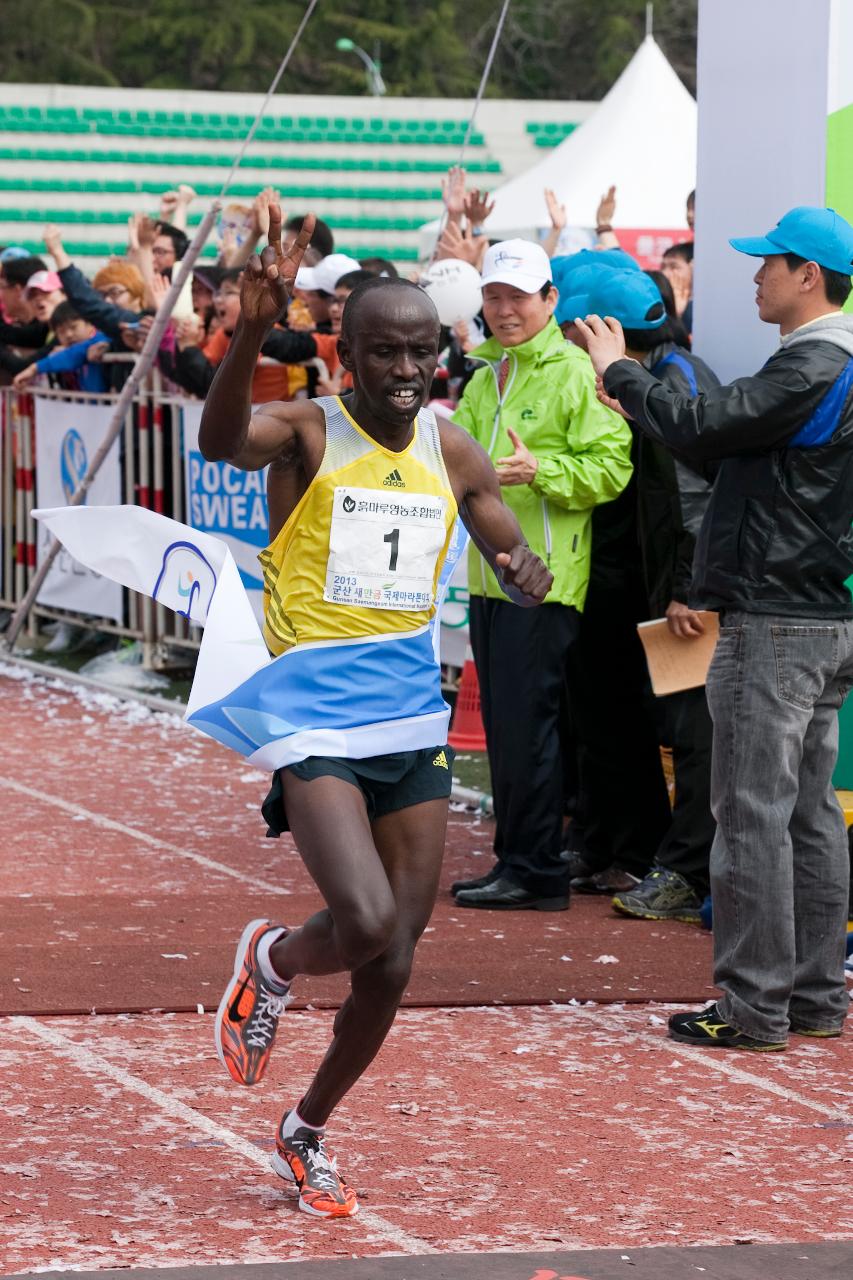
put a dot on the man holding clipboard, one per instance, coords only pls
(773, 556)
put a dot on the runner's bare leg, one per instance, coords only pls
(381, 887)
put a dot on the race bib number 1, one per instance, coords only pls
(383, 550)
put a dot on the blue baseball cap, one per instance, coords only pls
(14, 251)
(631, 297)
(568, 264)
(818, 235)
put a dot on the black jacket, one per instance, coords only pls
(777, 536)
(671, 495)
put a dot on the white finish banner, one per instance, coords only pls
(67, 437)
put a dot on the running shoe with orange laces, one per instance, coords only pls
(248, 1014)
(304, 1161)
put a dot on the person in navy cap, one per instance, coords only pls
(773, 556)
(645, 573)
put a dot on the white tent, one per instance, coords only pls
(641, 138)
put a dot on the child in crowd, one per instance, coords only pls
(76, 358)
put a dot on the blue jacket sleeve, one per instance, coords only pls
(67, 359)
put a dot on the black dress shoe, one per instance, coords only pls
(503, 895)
(460, 886)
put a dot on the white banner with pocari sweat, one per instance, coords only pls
(229, 503)
(67, 437)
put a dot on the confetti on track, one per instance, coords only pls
(533, 1131)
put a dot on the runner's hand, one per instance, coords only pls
(268, 280)
(522, 569)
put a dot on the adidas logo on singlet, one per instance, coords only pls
(394, 480)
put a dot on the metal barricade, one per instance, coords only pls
(152, 476)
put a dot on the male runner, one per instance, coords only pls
(370, 830)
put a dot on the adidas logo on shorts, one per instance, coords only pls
(394, 480)
(440, 761)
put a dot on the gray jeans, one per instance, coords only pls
(779, 863)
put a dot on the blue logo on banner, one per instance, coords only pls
(73, 463)
(185, 578)
(230, 503)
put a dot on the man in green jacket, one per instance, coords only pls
(558, 454)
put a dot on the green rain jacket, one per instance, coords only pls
(584, 453)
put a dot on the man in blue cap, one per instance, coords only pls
(773, 556)
(643, 570)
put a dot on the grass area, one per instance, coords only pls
(471, 769)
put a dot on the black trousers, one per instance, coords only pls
(521, 657)
(625, 804)
(686, 727)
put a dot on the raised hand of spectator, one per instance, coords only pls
(453, 193)
(228, 249)
(53, 244)
(604, 220)
(520, 467)
(556, 211)
(559, 218)
(169, 202)
(141, 232)
(188, 333)
(456, 242)
(269, 278)
(25, 377)
(133, 335)
(158, 288)
(261, 210)
(478, 206)
(606, 209)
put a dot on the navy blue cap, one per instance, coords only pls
(631, 297)
(818, 235)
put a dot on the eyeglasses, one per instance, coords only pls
(113, 292)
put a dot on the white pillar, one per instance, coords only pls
(775, 81)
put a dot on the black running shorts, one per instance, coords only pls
(388, 783)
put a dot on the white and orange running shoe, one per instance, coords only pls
(304, 1161)
(248, 1013)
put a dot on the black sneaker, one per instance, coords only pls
(707, 1028)
(607, 882)
(462, 886)
(663, 895)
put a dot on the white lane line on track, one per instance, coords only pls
(94, 1064)
(714, 1059)
(108, 824)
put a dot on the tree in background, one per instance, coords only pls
(429, 48)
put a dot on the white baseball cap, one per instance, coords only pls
(326, 274)
(518, 262)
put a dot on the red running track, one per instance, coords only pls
(531, 1130)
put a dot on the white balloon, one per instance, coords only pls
(454, 287)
